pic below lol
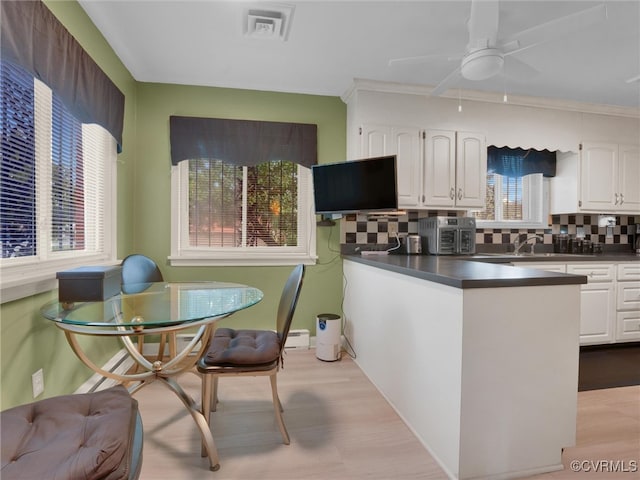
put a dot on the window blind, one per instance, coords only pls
(53, 171)
(18, 166)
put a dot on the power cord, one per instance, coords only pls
(398, 243)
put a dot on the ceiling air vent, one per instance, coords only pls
(273, 22)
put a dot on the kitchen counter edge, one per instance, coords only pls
(466, 272)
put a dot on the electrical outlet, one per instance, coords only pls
(37, 382)
(392, 228)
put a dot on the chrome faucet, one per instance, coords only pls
(517, 244)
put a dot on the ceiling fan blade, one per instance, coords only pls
(483, 24)
(517, 69)
(559, 27)
(444, 85)
(424, 58)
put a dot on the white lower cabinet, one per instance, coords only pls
(628, 302)
(609, 302)
(597, 302)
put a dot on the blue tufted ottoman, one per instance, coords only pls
(85, 436)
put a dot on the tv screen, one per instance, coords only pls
(359, 185)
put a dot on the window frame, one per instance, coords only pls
(535, 189)
(25, 276)
(183, 255)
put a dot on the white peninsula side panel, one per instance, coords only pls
(486, 378)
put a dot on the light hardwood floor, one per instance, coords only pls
(340, 428)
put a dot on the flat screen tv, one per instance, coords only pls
(355, 186)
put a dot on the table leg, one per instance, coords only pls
(198, 417)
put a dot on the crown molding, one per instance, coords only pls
(360, 84)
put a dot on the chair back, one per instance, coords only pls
(288, 302)
(137, 268)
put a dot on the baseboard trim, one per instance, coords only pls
(119, 364)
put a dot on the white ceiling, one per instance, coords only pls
(332, 42)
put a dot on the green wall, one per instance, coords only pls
(156, 103)
(28, 342)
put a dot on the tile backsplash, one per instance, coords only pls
(361, 229)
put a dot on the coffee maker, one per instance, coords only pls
(634, 239)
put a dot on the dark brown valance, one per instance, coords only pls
(34, 38)
(242, 142)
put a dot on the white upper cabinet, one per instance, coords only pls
(439, 176)
(404, 142)
(471, 170)
(436, 168)
(602, 178)
(609, 175)
(455, 169)
(629, 177)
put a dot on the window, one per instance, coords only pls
(516, 198)
(226, 214)
(56, 183)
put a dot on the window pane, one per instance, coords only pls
(272, 204)
(489, 212)
(511, 198)
(67, 185)
(215, 204)
(17, 163)
(231, 206)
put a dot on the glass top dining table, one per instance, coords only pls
(155, 308)
(156, 305)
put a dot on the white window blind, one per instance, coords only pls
(226, 214)
(57, 183)
(514, 202)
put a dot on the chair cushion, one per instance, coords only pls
(243, 347)
(83, 436)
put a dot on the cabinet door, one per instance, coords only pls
(439, 172)
(628, 296)
(404, 142)
(599, 176)
(406, 145)
(596, 313)
(628, 271)
(629, 175)
(595, 272)
(471, 169)
(628, 326)
(374, 141)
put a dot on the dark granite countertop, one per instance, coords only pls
(464, 272)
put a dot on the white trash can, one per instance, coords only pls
(328, 327)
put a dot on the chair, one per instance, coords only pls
(140, 269)
(251, 352)
(95, 435)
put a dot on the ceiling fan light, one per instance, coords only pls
(482, 64)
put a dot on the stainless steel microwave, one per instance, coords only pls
(449, 235)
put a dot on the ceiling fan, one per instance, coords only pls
(485, 54)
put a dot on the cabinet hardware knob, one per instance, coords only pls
(621, 199)
(459, 194)
(616, 201)
(452, 193)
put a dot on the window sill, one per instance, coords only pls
(239, 260)
(24, 281)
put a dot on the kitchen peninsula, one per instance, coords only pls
(479, 359)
